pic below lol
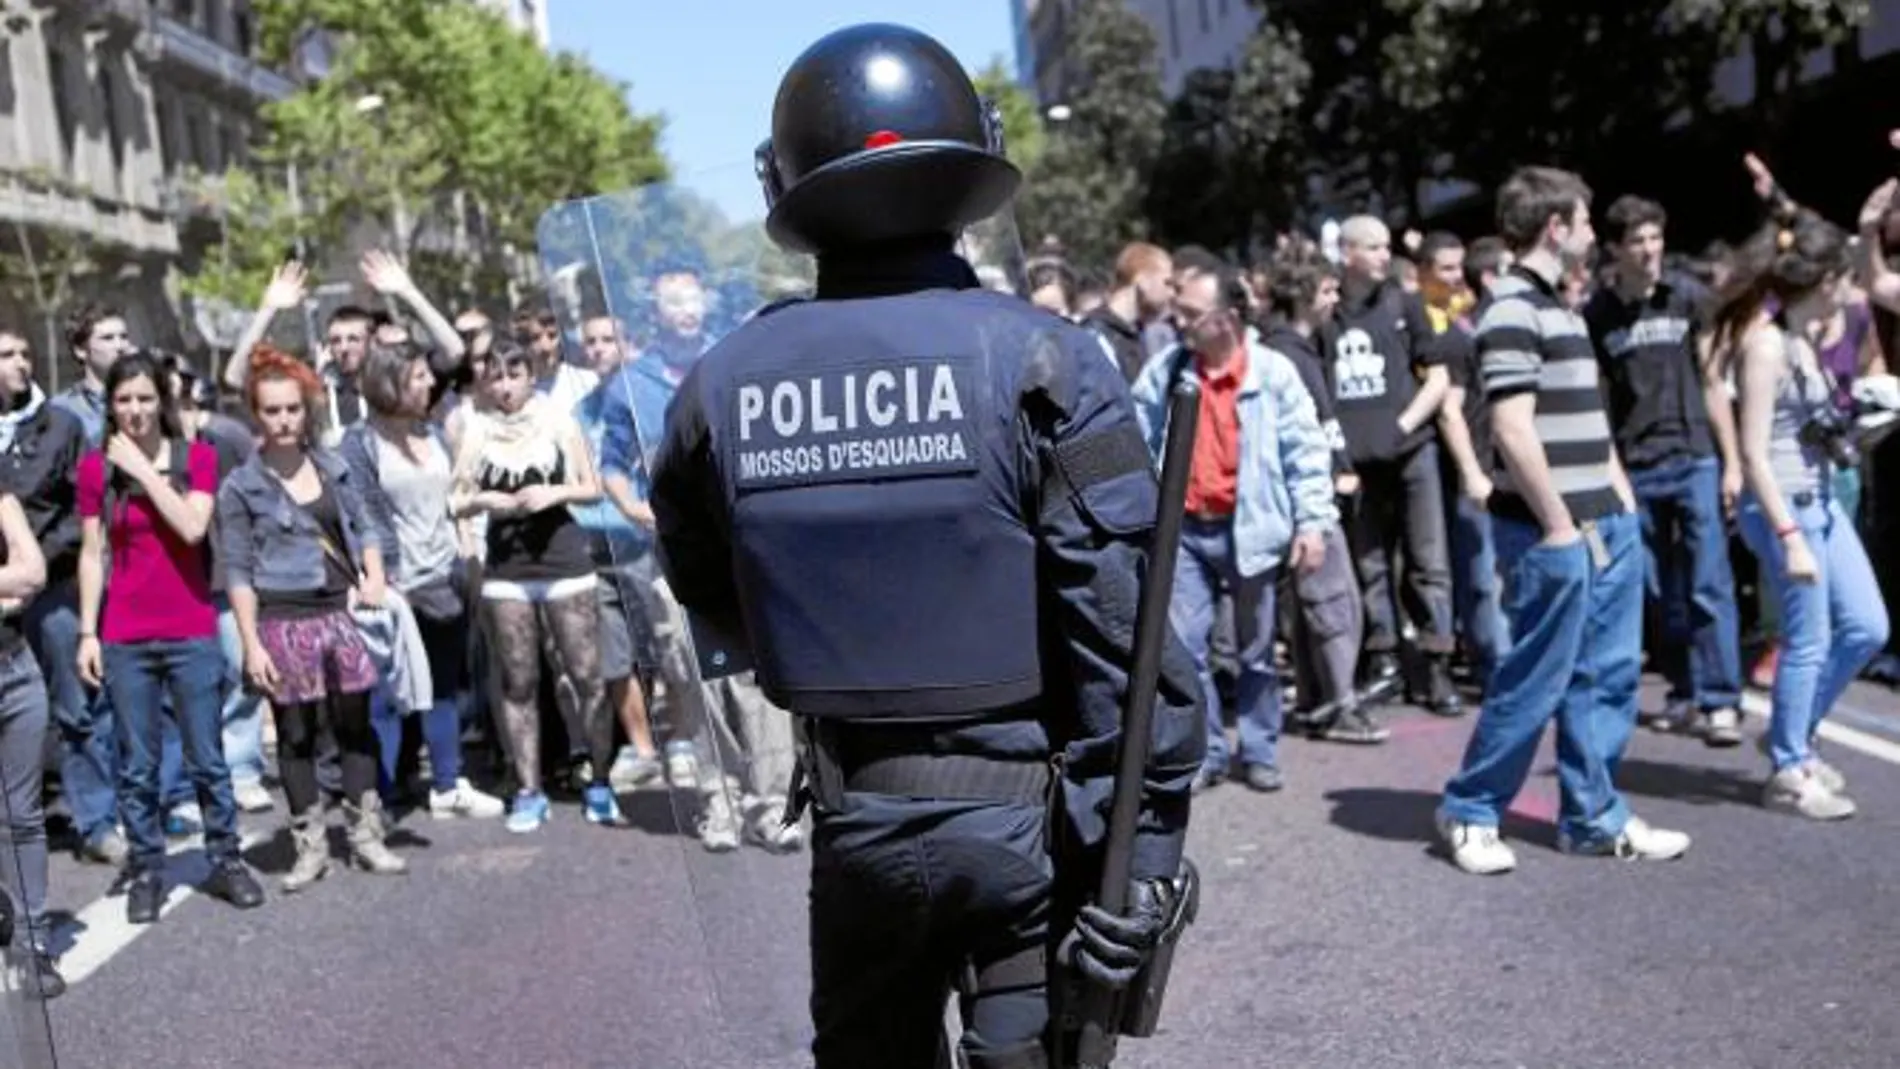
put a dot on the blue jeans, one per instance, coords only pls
(1688, 577)
(139, 676)
(243, 716)
(88, 739)
(1207, 565)
(1475, 586)
(1577, 656)
(1830, 628)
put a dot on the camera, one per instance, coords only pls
(1830, 432)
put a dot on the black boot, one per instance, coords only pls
(144, 895)
(1381, 665)
(231, 881)
(1441, 696)
(43, 980)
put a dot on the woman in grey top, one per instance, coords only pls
(403, 466)
(1788, 281)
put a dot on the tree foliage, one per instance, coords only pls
(468, 104)
(260, 226)
(1376, 95)
(1089, 184)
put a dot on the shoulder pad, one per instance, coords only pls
(781, 303)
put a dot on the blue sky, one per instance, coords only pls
(712, 66)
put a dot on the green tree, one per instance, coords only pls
(1193, 194)
(467, 111)
(1023, 134)
(258, 227)
(1088, 186)
(1381, 94)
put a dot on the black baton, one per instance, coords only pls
(1101, 1011)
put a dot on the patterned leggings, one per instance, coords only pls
(516, 629)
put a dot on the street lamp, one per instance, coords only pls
(373, 104)
(1059, 113)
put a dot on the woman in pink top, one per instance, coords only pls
(148, 627)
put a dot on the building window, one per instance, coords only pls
(109, 104)
(185, 11)
(1206, 27)
(1174, 31)
(243, 37)
(234, 149)
(62, 102)
(168, 137)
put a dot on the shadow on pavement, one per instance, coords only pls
(1694, 784)
(1406, 817)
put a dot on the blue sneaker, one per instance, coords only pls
(601, 807)
(529, 812)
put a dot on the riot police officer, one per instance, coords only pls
(921, 509)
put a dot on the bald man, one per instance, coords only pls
(1389, 381)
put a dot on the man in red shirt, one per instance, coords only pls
(1259, 499)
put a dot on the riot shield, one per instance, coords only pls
(648, 279)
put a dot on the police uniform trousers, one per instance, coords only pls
(912, 897)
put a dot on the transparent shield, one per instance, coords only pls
(994, 248)
(647, 279)
(26, 1031)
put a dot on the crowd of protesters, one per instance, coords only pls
(1427, 471)
(1511, 458)
(427, 557)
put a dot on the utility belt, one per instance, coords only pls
(836, 757)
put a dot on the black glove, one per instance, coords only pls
(1109, 950)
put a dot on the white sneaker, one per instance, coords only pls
(252, 797)
(765, 828)
(1799, 789)
(631, 770)
(1677, 717)
(718, 824)
(1830, 777)
(1476, 848)
(682, 767)
(1637, 842)
(464, 801)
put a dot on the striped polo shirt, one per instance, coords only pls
(1528, 340)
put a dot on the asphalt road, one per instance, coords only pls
(1333, 934)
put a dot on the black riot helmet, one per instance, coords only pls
(878, 134)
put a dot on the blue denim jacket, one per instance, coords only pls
(270, 543)
(625, 540)
(633, 404)
(1286, 462)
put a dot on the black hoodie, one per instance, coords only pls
(1122, 336)
(1305, 356)
(1380, 343)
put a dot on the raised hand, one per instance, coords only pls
(286, 289)
(385, 274)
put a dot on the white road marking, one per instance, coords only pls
(103, 930)
(1839, 734)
